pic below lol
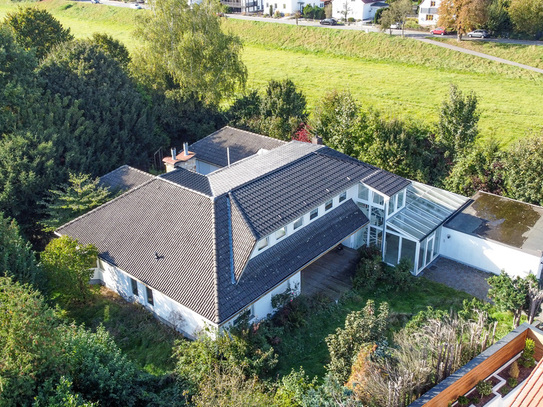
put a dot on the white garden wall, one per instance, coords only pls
(487, 255)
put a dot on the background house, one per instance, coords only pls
(428, 14)
(358, 9)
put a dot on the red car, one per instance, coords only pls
(439, 31)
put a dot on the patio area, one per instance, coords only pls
(331, 274)
(458, 276)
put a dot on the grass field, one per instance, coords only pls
(523, 54)
(400, 77)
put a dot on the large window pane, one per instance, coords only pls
(392, 248)
(409, 250)
(376, 237)
(363, 192)
(378, 199)
(377, 216)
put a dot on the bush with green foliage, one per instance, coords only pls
(463, 400)
(17, 260)
(365, 326)
(69, 267)
(512, 382)
(514, 371)
(457, 127)
(112, 47)
(484, 388)
(37, 30)
(277, 113)
(527, 357)
(199, 359)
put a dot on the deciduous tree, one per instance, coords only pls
(524, 170)
(458, 119)
(36, 29)
(527, 16)
(462, 15)
(185, 48)
(508, 294)
(69, 267)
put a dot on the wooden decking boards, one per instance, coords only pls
(331, 274)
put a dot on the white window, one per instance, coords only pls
(134, 284)
(429, 17)
(363, 192)
(298, 222)
(314, 213)
(328, 205)
(262, 243)
(150, 300)
(343, 196)
(400, 199)
(378, 199)
(280, 233)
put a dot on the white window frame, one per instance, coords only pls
(263, 243)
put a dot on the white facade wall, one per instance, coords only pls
(356, 9)
(288, 7)
(205, 168)
(273, 237)
(262, 307)
(428, 14)
(179, 316)
(487, 255)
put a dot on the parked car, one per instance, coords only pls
(439, 31)
(396, 26)
(479, 34)
(95, 1)
(329, 21)
(136, 5)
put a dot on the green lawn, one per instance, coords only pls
(399, 77)
(144, 339)
(305, 347)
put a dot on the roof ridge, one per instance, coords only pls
(215, 263)
(187, 188)
(127, 166)
(107, 203)
(242, 130)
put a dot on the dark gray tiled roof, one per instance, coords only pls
(163, 218)
(242, 144)
(380, 180)
(282, 196)
(225, 179)
(189, 179)
(124, 178)
(280, 261)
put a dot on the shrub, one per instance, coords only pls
(293, 314)
(512, 382)
(514, 370)
(484, 388)
(527, 358)
(463, 401)
(475, 400)
(505, 390)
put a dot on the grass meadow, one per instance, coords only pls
(399, 77)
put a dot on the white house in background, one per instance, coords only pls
(289, 7)
(358, 9)
(238, 216)
(428, 14)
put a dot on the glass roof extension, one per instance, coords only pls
(426, 208)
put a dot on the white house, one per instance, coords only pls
(238, 217)
(428, 14)
(289, 7)
(358, 9)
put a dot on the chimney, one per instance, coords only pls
(174, 153)
(186, 149)
(316, 140)
(228, 155)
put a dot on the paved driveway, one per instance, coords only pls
(459, 276)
